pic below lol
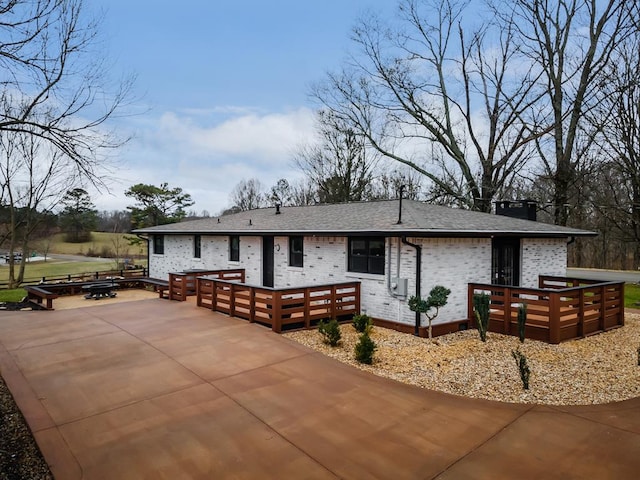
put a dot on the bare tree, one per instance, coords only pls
(54, 83)
(55, 99)
(571, 43)
(33, 179)
(387, 184)
(617, 116)
(445, 98)
(247, 195)
(339, 167)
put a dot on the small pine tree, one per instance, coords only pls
(330, 332)
(523, 367)
(437, 298)
(362, 323)
(364, 349)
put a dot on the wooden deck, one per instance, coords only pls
(560, 309)
(279, 307)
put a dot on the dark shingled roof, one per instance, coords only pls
(367, 218)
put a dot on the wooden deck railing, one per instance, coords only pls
(562, 309)
(278, 307)
(183, 284)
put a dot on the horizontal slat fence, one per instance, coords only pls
(84, 277)
(183, 284)
(279, 307)
(562, 309)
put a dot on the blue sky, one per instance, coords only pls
(224, 87)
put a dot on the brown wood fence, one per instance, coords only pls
(279, 307)
(183, 284)
(561, 309)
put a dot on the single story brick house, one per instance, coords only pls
(395, 248)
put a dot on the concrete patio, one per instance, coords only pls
(160, 389)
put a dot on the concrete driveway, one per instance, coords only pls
(165, 390)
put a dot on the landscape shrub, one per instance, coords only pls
(362, 323)
(364, 349)
(481, 304)
(437, 298)
(330, 332)
(522, 321)
(523, 367)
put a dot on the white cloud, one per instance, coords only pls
(207, 156)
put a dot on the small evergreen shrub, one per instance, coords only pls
(522, 321)
(364, 349)
(331, 332)
(362, 323)
(437, 299)
(481, 304)
(523, 367)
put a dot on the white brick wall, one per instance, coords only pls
(542, 256)
(450, 262)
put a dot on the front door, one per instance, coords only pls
(267, 261)
(505, 261)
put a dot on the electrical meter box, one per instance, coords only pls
(399, 286)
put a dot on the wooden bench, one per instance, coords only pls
(39, 294)
(158, 285)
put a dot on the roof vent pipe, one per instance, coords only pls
(400, 205)
(277, 209)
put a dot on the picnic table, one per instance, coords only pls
(96, 291)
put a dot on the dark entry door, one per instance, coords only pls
(505, 261)
(267, 261)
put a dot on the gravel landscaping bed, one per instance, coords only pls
(601, 368)
(20, 458)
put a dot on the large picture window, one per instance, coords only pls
(366, 255)
(158, 244)
(296, 251)
(234, 248)
(197, 246)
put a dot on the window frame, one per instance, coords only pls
(158, 244)
(368, 262)
(296, 258)
(234, 252)
(197, 246)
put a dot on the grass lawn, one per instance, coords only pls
(102, 243)
(14, 295)
(52, 268)
(631, 295)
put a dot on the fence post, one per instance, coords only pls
(307, 308)
(506, 326)
(621, 304)
(214, 295)
(252, 304)
(554, 318)
(603, 308)
(232, 300)
(470, 290)
(276, 320)
(581, 313)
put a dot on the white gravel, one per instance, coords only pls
(601, 368)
